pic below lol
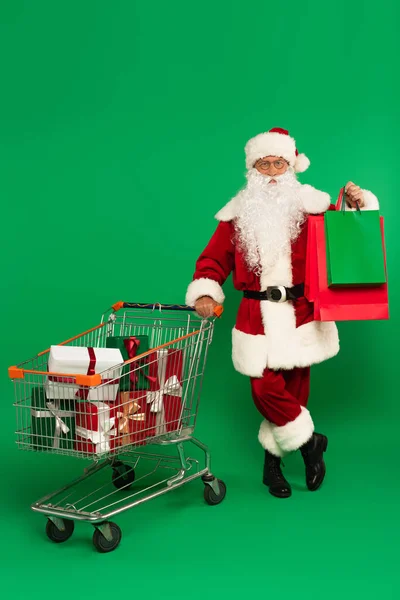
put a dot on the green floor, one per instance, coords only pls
(339, 542)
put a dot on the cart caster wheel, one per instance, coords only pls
(123, 476)
(101, 543)
(211, 497)
(56, 535)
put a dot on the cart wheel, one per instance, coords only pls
(211, 497)
(56, 535)
(123, 476)
(102, 544)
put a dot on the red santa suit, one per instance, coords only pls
(274, 343)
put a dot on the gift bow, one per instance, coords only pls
(171, 386)
(100, 438)
(60, 425)
(131, 414)
(55, 411)
(132, 345)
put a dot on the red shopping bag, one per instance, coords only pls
(311, 279)
(342, 304)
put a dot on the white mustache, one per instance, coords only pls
(280, 179)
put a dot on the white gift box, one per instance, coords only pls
(73, 360)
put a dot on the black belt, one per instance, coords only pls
(277, 293)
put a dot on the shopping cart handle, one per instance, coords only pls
(218, 310)
(153, 306)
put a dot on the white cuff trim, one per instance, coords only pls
(371, 201)
(294, 434)
(314, 201)
(267, 440)
(204, 287)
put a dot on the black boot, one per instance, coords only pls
(313, 456)
(273, 478)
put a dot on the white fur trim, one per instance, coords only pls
(267, 439)
(227, 212)
(307, 345)
(294, 434)
(370, 200)
(249, 353)
(204, 287)
(302, 163)
(280, 273)
(314, 201)
(270, 144)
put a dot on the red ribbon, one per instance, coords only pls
(83, 393)
(132, 345)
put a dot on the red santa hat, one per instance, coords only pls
(275, 142)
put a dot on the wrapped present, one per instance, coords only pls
(165, 395)
(134, 420)
(52, 421)
(87, 361)
(135, 375)
(95, 427)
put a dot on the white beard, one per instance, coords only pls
(269, 218)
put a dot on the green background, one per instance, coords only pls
(122, 128)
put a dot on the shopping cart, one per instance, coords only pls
(157, 399)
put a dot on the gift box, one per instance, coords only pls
(165, 395)
(87, 361)
(134, 420)
(52, 421)
(95, 427)
(135, 375)
(354, 249)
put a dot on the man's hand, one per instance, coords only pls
(205, 307)
(354, 195)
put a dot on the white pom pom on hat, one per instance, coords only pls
(275, 142)
(302, 163)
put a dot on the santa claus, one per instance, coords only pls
(261, 238)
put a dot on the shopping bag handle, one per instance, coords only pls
(341, 201)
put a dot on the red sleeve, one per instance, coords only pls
(213, 266)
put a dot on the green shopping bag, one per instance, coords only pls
(354, 247)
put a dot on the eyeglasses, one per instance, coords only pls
(266, 164)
